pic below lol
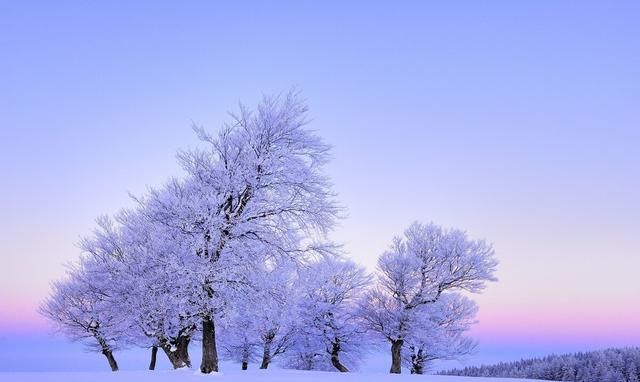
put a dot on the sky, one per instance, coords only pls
(515, 121)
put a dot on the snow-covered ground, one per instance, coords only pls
(232, 376)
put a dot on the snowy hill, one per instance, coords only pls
(233, 376)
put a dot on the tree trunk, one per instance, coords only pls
(417, 362)
(417, 367)
(396, 356)
(182, 349)
(173, 356)
(245, 355)
(266, 354)
(154, 354)
(112, 361)
(335, 360)
(178, 350)
(309, 362)
(209, 352)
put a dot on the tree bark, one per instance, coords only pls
(335, 360)
(266, 354)
(396, 356)
(209, 352)
(112, 361)
(182, 349)
(417, 368)
(417, 362)
(177, 351)
(245, 356)
(173, 356)
(309, 363)
(154, 354)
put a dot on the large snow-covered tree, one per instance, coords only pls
(257, 188)
(422, 265)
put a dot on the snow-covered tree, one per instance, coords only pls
(307, 355)
(427, 262)
(80, 307)
(275, 314)
(156, 287)
(239, 342)
(440, 334)
(260, 324)
(598, 366)
(329, 328)
(258, 188)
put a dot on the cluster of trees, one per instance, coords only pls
(235, 255)
(610, 365)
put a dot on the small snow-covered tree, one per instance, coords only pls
(80, 308)
(156, 287)
(149, 283)
(146, 283)
(440, 334)
(329, 328)
(239, 340)
(417, 270)
(275, 313)
(305, 354)
(259, 325)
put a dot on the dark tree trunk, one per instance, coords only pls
(396, 356)
(309, 363)
(173, 356)
(154, 355)
(178, 351)
(335, 360)
(266, 354)
(112, 361)
(417, 368)
(417, 362)
(245, 356)
(182, 349)
(209, 351)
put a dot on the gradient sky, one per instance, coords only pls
(516, 121)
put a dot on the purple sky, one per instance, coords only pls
(518, 122)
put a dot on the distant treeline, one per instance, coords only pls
(610, 365)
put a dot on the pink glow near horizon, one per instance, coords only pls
(607, 326)
(21, 316)
(610, 326)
